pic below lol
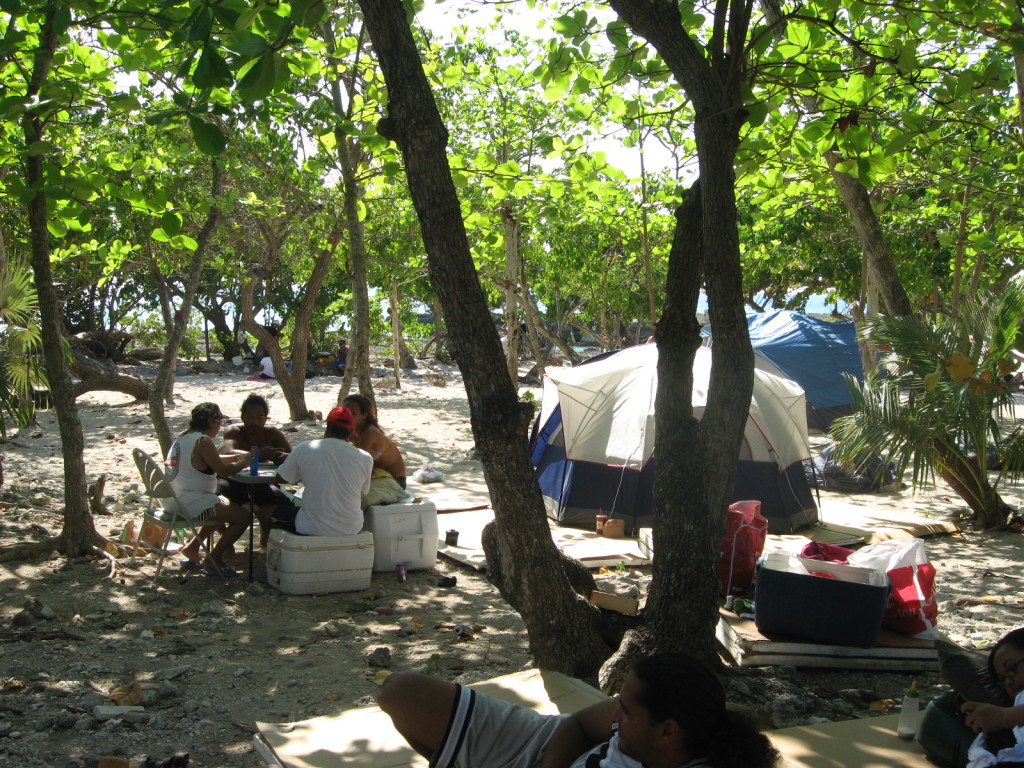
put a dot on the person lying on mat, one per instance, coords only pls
(670, 713)
(336, 476)
(369, 436)
(191, 467)
(273, 447)
(1000, 730)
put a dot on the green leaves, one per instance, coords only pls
(209, 138)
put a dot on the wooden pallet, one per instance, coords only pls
(745, 646)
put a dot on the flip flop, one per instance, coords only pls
(224, 570)
(190, 565)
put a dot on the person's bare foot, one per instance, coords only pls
(192, 553)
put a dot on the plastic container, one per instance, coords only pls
(405, 532)
(302, 565)
(906, 726)
(843, 607)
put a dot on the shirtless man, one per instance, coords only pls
(273, 446)
(368, 436)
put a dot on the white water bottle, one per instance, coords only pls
(906, 727)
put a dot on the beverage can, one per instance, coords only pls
(401, 572)
(254, 466)
(599, 522)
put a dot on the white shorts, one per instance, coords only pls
(486, 731)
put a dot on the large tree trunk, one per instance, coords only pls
(358, 361)
(696, 461)
(79, 534)
(562, 626)
(165, 373)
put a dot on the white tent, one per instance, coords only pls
(607, 417)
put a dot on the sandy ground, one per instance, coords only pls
(212, 656)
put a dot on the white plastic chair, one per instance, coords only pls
(158, 488)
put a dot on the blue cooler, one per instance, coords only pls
(844, 608)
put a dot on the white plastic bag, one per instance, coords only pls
(912, 609)
(426, 474)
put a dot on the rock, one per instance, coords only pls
(104, 712)
(171, 673)
(379, 656)
(34, 606)
(22, 619)
(256, 589)
(213, 608)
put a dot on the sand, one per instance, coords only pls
(232, 653)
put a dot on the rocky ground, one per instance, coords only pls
(206, 658)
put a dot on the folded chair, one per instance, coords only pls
(157, 489)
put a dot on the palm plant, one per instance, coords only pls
(939, 402)
(20, 370)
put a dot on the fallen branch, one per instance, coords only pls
(34, 634)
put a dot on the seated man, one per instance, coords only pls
(273, 446)
(340, 358)
(670, 713)
(336, 474)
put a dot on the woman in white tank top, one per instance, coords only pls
(192, 467)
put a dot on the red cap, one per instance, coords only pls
(341, 417)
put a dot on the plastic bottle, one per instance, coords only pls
(254, 467)
(906, 727)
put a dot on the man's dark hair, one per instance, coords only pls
(675, 686)
(255, 399)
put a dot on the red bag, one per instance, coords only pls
(745, 533)
(912, 609)
(832, 553)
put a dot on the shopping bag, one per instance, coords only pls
(745, 533)
(912, 609)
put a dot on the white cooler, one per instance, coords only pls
(303, 565)
(405, 532)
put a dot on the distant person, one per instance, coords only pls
(369, 436)
(266, 369)
(273, 447)
(192, 466)
(336, 475)
(670, 713)
(340, 358)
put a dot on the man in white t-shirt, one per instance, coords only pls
(336, 475)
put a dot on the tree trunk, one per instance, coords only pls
(562, 626)
(510, 228)
(348, 153)
(970, 482)
(696, 465)
(165, 373)
(872, 240)
(79, 533)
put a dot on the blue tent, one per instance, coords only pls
(813, 353)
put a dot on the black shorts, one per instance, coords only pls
(239, 493)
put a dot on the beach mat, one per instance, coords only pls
(867, 743)
(586, 546)
(367, 739)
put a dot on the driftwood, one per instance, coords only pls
(97, 376)
(35, 634)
